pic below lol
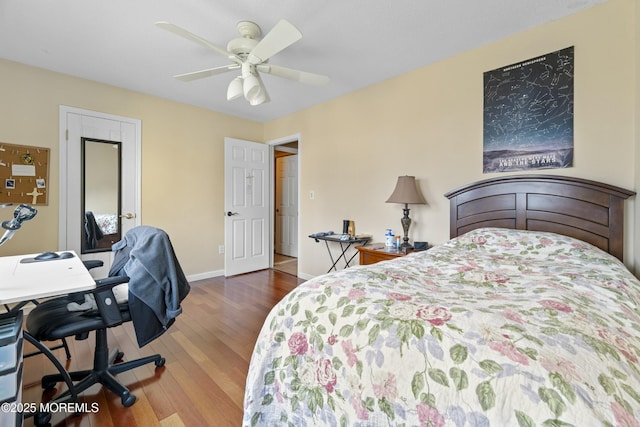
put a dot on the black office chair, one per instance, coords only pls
(89, 264)
(21, 214)
(157, 285)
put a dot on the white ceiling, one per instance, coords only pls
(356, 43)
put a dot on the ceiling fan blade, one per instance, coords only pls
(291, 74)
(283, 35)
(188, 77)
(203, 42)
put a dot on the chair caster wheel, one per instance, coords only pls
(119, 356)
(160, 362)
(41, 418)
(48, 385)
(128, 400)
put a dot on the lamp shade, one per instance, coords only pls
(235, 89)
(406, 192)
(251, 87)
(259, 98)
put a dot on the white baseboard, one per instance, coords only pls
(218, 273)
(206, 275)
(305, 276)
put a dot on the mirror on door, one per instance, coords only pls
(100, 194)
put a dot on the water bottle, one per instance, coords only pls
(388, 238)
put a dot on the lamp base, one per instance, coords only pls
(406, 245)
(406, 223)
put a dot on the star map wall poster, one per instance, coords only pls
(528, 114)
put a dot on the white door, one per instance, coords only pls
(286, 242)
(246, 200)
(74, 125)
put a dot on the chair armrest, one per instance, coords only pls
(106, 300)
(92, 263)
(110, 282)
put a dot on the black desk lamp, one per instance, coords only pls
(406, 192)
(20, 214)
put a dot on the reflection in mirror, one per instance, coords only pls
(100, 195)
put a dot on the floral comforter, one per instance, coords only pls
(108, 223)
(494, 328)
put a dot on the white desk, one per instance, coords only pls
(27, 281)
(33, 280)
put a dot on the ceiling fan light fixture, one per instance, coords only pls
(235, 89)
(258, 99)
(250, 54)
(251, 87)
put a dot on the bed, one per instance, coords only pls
(526, 317)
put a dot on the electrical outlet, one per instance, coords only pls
(221, 249)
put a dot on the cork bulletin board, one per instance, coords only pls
(24, 174)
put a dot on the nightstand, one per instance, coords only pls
(377, 252)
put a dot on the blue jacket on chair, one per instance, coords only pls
(157, 284)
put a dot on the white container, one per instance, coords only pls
(389, 239)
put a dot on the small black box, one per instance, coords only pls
(420, 246)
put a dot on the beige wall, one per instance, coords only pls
(428, 123)
(182, 158)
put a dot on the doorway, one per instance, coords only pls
(285, 239)
(247, 170)
(78, 127)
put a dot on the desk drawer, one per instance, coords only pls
(10, 328)
(11, 356)
(11, 385)
(13, 418)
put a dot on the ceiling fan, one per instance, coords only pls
(250, 54)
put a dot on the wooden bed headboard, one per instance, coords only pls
(587, 210)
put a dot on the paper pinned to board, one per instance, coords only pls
(23, 170)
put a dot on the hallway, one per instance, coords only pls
(286, 264)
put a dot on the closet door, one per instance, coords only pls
(76, 125)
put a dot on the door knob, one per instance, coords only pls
(232, 213)
(128, 215)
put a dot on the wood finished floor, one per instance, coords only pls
(207, 353)
(285, 264)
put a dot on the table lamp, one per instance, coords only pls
(406, 192)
